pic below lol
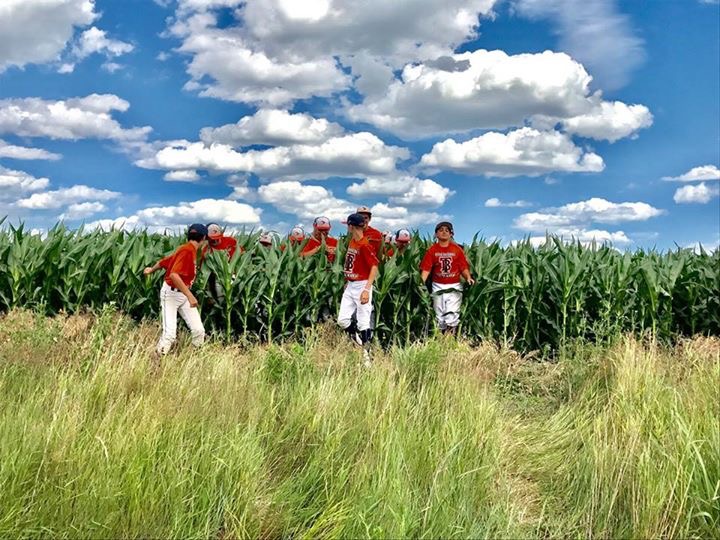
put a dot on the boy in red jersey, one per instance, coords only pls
(295, 237)
(361, 268)
(320, 235)
(374, 237)
(401, 240)
(175, 294)
(446, 262)
(217, 241)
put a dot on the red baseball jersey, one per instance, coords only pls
(225, 243)
(445, 264)
(182, 263)
(359, 260)
(375, 238)
(313, 243)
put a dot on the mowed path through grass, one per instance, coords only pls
(436, 440)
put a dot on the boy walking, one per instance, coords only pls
(374, 236)
(445, 261)
(320, 235)
(217, 241)
(361, 268)
(175, 294)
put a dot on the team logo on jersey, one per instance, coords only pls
(445, 265)
(350, 262)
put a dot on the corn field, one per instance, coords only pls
(530, 298)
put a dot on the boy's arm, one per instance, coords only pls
(150, 269)
(310, 252)
(468, 277)
(162, 263)
(365, 295)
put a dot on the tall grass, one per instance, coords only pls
(531, 298)
(437, 440)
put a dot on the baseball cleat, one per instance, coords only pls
(367, 359)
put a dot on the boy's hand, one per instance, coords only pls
(193, 301)
(149, 270)
(471, 281)
(364, 297)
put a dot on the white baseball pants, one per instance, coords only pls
(350, 305)
(172, 302)
(447, 304)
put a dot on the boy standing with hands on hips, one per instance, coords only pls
(445, 262)
(361, 268)
(175, 294)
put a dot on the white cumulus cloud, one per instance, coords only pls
(273, 127)
(82, 210)
(66, 196)
(704, 172)
(595, 32)
(356, 154)
(387, 217)
(12, 151)
(177, 217)
(279, 51)
(37, 31)
(609, 121)
(18, 183)
(584, 236)
(594, 210)
(88, 117)
(182, 176)
(404, 190)
(94, 40)
(304, 201)
(701, 193)
(575, 220)
(494, 202)
(523, 152)
(479, 90)
(238, 72)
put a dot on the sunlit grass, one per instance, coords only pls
(436, 440)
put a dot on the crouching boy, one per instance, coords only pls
(175, 294)
(445, 263)
(361, 268)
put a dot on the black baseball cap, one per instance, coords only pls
(198, 228)
(445, 224)
(358, 220)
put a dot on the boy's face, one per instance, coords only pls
(367, 219)
(443, 234)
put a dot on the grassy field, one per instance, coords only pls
(436, 440)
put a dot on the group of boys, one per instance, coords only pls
(444, 264)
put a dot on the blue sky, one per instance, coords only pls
(594, 120)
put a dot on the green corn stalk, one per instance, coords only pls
(531, 298)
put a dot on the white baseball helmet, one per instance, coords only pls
(322, 223)
(266, 239)
(403, 236)
(214, 230)
(297, 234)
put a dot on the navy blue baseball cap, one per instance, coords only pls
(198, 228)
(445, 224)
(358, 220)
